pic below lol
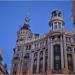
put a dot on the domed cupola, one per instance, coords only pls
(56, 22)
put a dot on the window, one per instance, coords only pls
(28, 47)
(59, 25)
(69, 49)
(19, 48)
(41, 44)
(35, 62)
(35, 55)
(26, 56)
(36, 45)
(41, 65)
(70, 62)
(55, 25)
(68, 39)
(46, 52)
(34, 66)
(57, 58)
(41, 54)
(46, 63)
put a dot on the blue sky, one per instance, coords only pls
(12, 15)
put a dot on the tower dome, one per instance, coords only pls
(26, 25)
(56, 22)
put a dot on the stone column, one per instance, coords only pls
(73, 61)
(65, 57)
(62, 54)
(50, 57)
(32, 61)
(44, 61)
(38, 62)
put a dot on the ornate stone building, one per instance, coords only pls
(51, 53)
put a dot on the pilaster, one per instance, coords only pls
(62, 54)
(50, 57)
(38, 63)
(31, 68)
(44, 61)
(65, 57)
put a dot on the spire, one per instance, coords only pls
(26, 24)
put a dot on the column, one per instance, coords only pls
(65, 57)
(50, 57)
(38, 62)
(73, 61)
(62, 56)
(32, 61)
(44, 61)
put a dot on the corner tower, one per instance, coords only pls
(25, 32)
(56, 22)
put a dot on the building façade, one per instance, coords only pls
(51, 53)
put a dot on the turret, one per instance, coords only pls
(26, 24)
(56, 22)
(24, 32)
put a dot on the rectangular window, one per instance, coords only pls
(55, 25)
(59, 25)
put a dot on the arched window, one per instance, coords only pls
(41, 65)
(34, 66)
